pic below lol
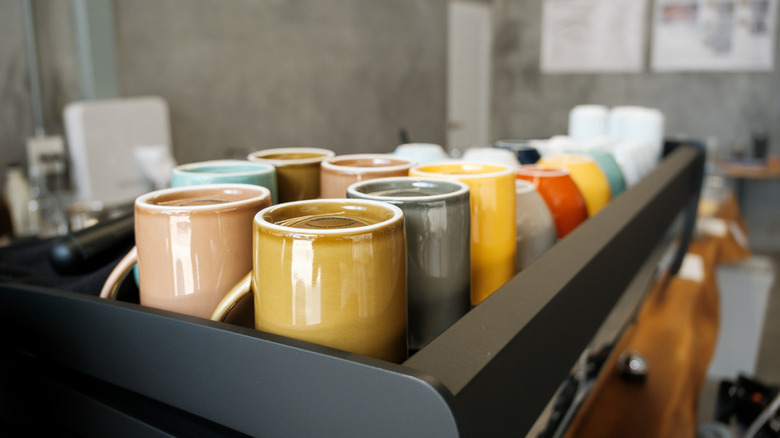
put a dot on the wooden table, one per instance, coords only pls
(741, 171)
(752, 170)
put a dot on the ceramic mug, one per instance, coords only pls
(297, 170)
(192, 245)
(628, 161)
(223, 171)
(524, 150)
(607, 163)
(587, 122)
(560, 193)
(491, 155)
(493, 228)
(422, 153)
(341, 171)
(226, 171)
(330, 272)
(437, 217)
(536, 232)
(591, 181)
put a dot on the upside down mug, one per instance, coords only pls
(438, 230)
(331, 272)
(422, 153)
(493, 227)
(192, 245)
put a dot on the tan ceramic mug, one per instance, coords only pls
(192, 245)
(331, 272)
(297, 170)
(341, 171)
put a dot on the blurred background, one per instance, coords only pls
(352, 76)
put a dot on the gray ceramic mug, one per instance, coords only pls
(438, 226)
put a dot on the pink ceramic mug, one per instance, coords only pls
(339, 172)
(193, 244)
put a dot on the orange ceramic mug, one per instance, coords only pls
(588, 176)
(560, 193)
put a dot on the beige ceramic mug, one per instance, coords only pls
(331, 272)
(341, 171)
(192, 245)
(297, 170)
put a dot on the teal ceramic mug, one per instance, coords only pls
(226, 171)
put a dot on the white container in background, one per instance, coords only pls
(587, 122)
(18, 195)
(638, 124)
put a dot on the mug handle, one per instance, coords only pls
(118, 274)
(239, 291)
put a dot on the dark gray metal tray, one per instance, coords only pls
(93, 367)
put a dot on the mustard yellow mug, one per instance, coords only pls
(330, 272)
(493, 227)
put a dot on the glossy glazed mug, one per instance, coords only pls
(341, 171)
(524, 150)
(192, 245)
(560, 193)
(437, 217)
(422, 153)
(493, 155)
(226, 171)
(297, 170)
(493, 228)
(591, 181)
(330, 272)
(223, 172)
(607, 163)
(536, 232)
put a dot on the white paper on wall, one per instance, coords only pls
(713, 35)
(593, 36)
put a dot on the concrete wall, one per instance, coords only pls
(58, 72)
(241, 75)
(247, 75)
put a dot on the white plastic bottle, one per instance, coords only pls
(18, 196)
